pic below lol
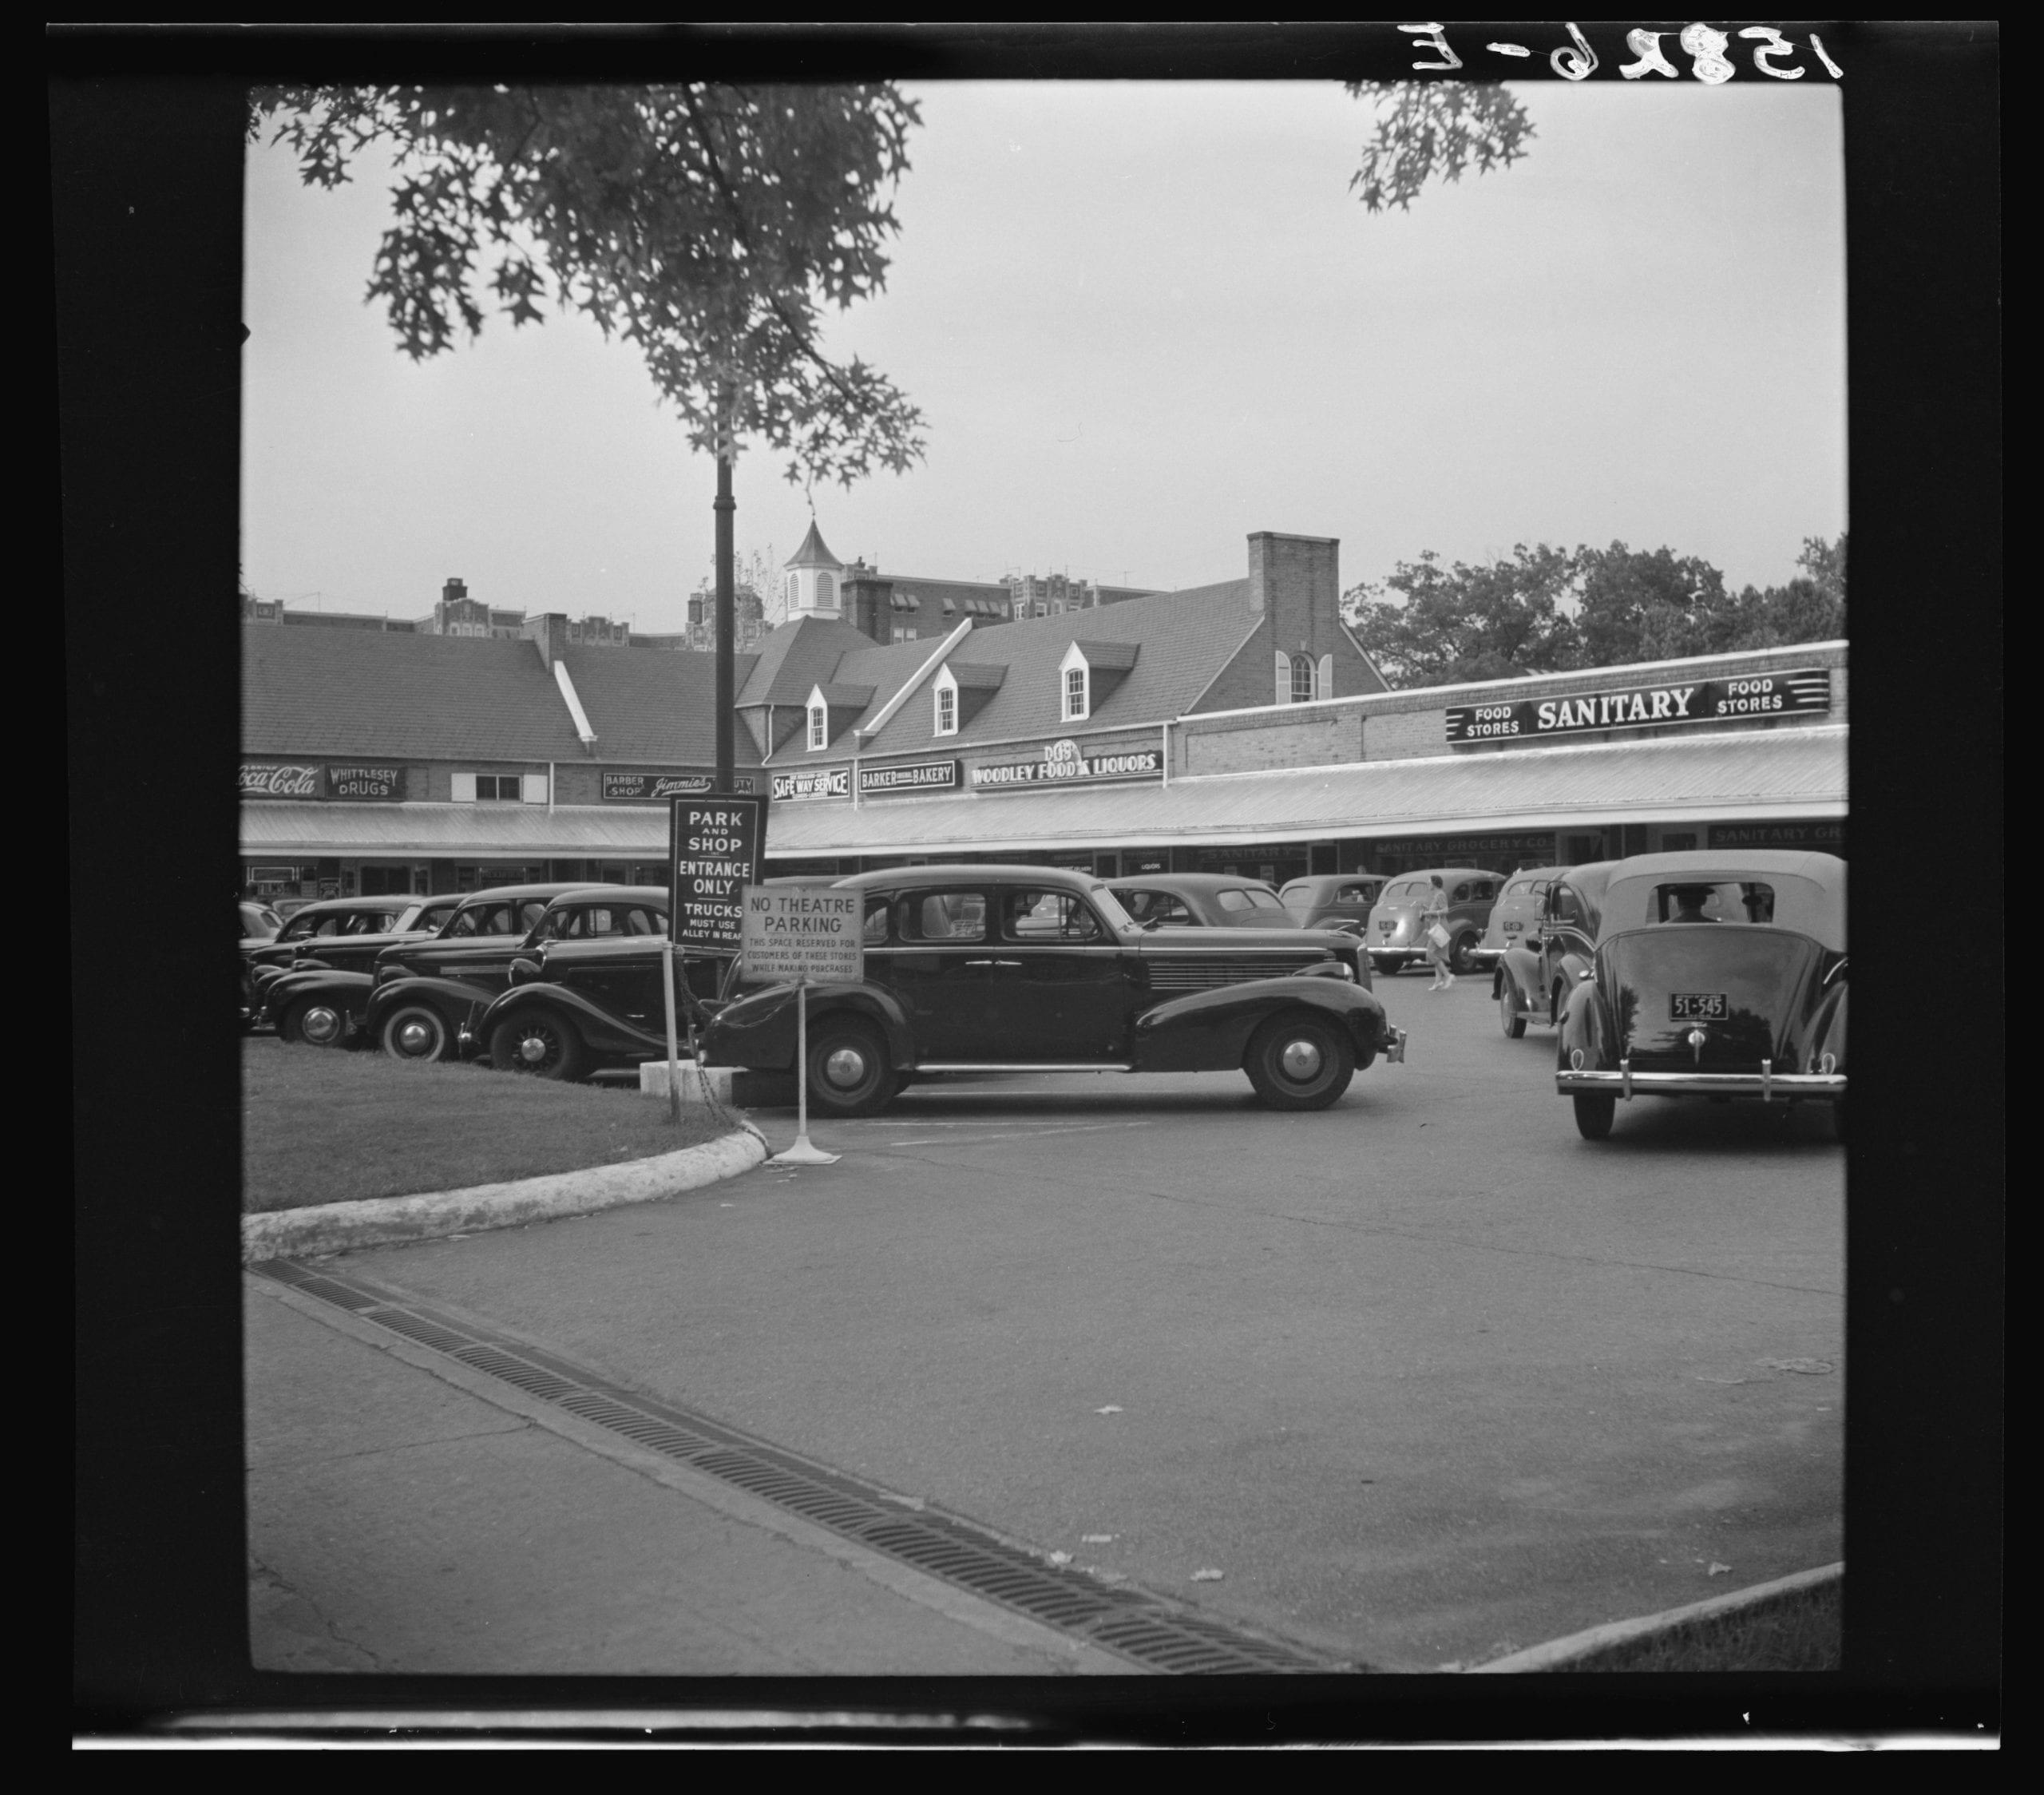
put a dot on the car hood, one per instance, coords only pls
(1769, 980)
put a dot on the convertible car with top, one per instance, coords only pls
(974, 968)
(1719, 975)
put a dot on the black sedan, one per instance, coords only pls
(1202, 900)
(1022, 969)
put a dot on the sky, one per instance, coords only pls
(1143, 320)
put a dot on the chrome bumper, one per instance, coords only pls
(1394, 1054)
(1767, 1085)
(1485, 955)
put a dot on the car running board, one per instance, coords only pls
(1021, 1066)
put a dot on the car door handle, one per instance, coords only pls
(1014, 963)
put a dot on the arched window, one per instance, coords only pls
(819, 727)
(1302, 691)
(794, 590)
(947, 710)
(1074, 694)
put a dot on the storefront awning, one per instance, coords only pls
(1784, 773)
(1777, 774)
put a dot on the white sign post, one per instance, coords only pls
(810, 934)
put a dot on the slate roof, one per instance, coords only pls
(797, 656)
(655, 704)
(1185, 638)
(814, 552)
(384, 695)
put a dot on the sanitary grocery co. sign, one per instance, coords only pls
(1734, 700)
(1063, 763)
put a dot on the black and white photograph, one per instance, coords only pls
(1042, 868)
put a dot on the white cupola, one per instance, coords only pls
(812, 582)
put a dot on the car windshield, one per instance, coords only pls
(1299, 897)
(1110, 906)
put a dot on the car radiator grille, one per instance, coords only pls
(1192, 974)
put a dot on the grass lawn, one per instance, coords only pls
(324, 1127)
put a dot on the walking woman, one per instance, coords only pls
(1433, 930)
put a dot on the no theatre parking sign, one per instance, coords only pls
(795, 932)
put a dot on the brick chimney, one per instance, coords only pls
(1295, 582)
(548, 632)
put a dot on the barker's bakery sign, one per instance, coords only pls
(1739, 700)
(288, 779)
(1063, 763)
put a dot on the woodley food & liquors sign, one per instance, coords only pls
(1734, 700)
(1063, 763)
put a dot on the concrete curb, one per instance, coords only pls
(333, 1227)
(1558, 1654)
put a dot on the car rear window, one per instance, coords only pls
(1725, 902)
(1407, 889)
(1264, 900)
(1300, 898)
(1157, 909)
(1521, 887)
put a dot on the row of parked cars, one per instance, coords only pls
(1675, 974)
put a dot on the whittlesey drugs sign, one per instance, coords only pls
(795, 932)
(715, 845)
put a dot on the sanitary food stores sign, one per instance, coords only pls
(284, 778)
(1734, 700)
(1063, 763)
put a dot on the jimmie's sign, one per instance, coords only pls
(1063, 763)
(656, 788)
(1732, 700)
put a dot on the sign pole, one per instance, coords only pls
(674, 1050)
(802, 1153)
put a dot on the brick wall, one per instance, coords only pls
(1311, 738)
(1406, 734)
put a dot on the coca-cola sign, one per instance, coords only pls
(291, 779)
(276, 778)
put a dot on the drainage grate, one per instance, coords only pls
(1139, 1624)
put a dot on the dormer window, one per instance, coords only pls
(1074, 681)
(819, 725)
(946, 718)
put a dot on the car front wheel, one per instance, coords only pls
(539, 1043)
(1594, 1113)
(316, 1023)
(848, 1074)
(1299, 1062)
(416, 1032)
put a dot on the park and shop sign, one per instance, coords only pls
(353, 783)
(657, 788)
(1064, 763)
(716, 846)
(1743, 699)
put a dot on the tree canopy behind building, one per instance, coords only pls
(1548, 610)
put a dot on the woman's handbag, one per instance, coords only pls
(1437, 935)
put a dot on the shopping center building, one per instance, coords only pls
(1237, 726)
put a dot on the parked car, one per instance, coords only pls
(428, 1005)
(1718, 975)
(1396, 925)
(259, 921)
(1544, 961)
(1201, 901)
(339, 932)
(1333, 900)
(1031, 968)
(327, 1006)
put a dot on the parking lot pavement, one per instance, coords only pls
(399, 1523)
(1424, 1377)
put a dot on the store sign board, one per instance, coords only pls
(1805, 692)
(657, 788)
(1530, 849)
(819, 781)
(1825, 838)
(295, 778)
(716, 847)
(921, 775)
(1065, 763)
(797, 932)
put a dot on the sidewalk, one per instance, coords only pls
(404, 1519)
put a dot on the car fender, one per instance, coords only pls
(1586, 1027)
(758, 1029)
(1827, 1032)
(348, 990)
(1209, 1030)
(602, 1031)
(1521, 965)
(456, 1000)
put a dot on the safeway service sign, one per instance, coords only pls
(716, 847)
(798, 931)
